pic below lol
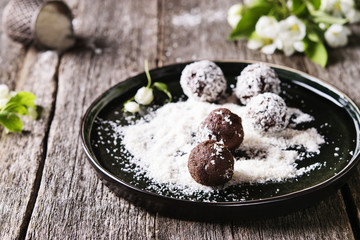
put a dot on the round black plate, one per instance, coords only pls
(336, 118)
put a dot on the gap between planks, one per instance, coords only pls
(39, 173)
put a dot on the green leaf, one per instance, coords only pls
(322, 17)
(298, 7)
(11, 121)
(316, 4)
(24, 98)
(313, 36)
(163, 87)
(316, 51)
(20, 103)
(247, 23)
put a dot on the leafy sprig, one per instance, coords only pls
(323, 27)
(19, 105)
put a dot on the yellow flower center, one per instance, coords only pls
(294, 28)
(337, 6)
(267, 41)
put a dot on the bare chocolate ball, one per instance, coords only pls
(203, 81)
(267, 112)
(223, 126)
(255, 79)
(211, 163)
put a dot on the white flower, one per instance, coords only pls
(337, 35)
(353, 15)
(341, 8)
(266, 31)
(4, 91)
(3, 102)
(144, 96)
(249, 3)
(131, 107)
(269, 48)
(255, 43)
(234, 14)
(267, 27)
(291, 32)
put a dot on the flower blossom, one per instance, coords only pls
(235, 14)
(291, 33)
(266, 31)
(286, 35)
(337, 35)
(341, 8)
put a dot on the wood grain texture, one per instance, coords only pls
(22, 155)
(72, 202)
(196, 30)
(51, 170)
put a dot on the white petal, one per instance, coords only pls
(4, 91)
(267, 27)
(254, 44)
(234, 14)
(299, 46)
(288, 49)
(233, 20)
(353, 16)
(249, 3)
(131, 107)
(3, 102)
(144, 96)
(269, 49)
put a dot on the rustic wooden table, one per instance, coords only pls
(48, 189)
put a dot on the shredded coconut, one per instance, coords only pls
(160, 145)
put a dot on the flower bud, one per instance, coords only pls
(144, 96)
(132, 107)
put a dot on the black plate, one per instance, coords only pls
(336, 118)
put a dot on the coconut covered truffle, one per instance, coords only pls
(255, 79)
(203, 81)
(211, 163)
(223, 126)
(267, 112)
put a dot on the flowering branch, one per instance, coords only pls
(294, 26)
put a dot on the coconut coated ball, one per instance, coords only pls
(223, 126)
(203, 81)
(255, 79)
(267, 112)
(211, 163)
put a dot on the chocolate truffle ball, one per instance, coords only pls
(255, 79)
(267, 112)
(211, 163)
(223, 126)
(203, 81)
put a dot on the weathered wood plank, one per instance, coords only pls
(11, 55)
(72, 202)
(22, 155)
(198, 30)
